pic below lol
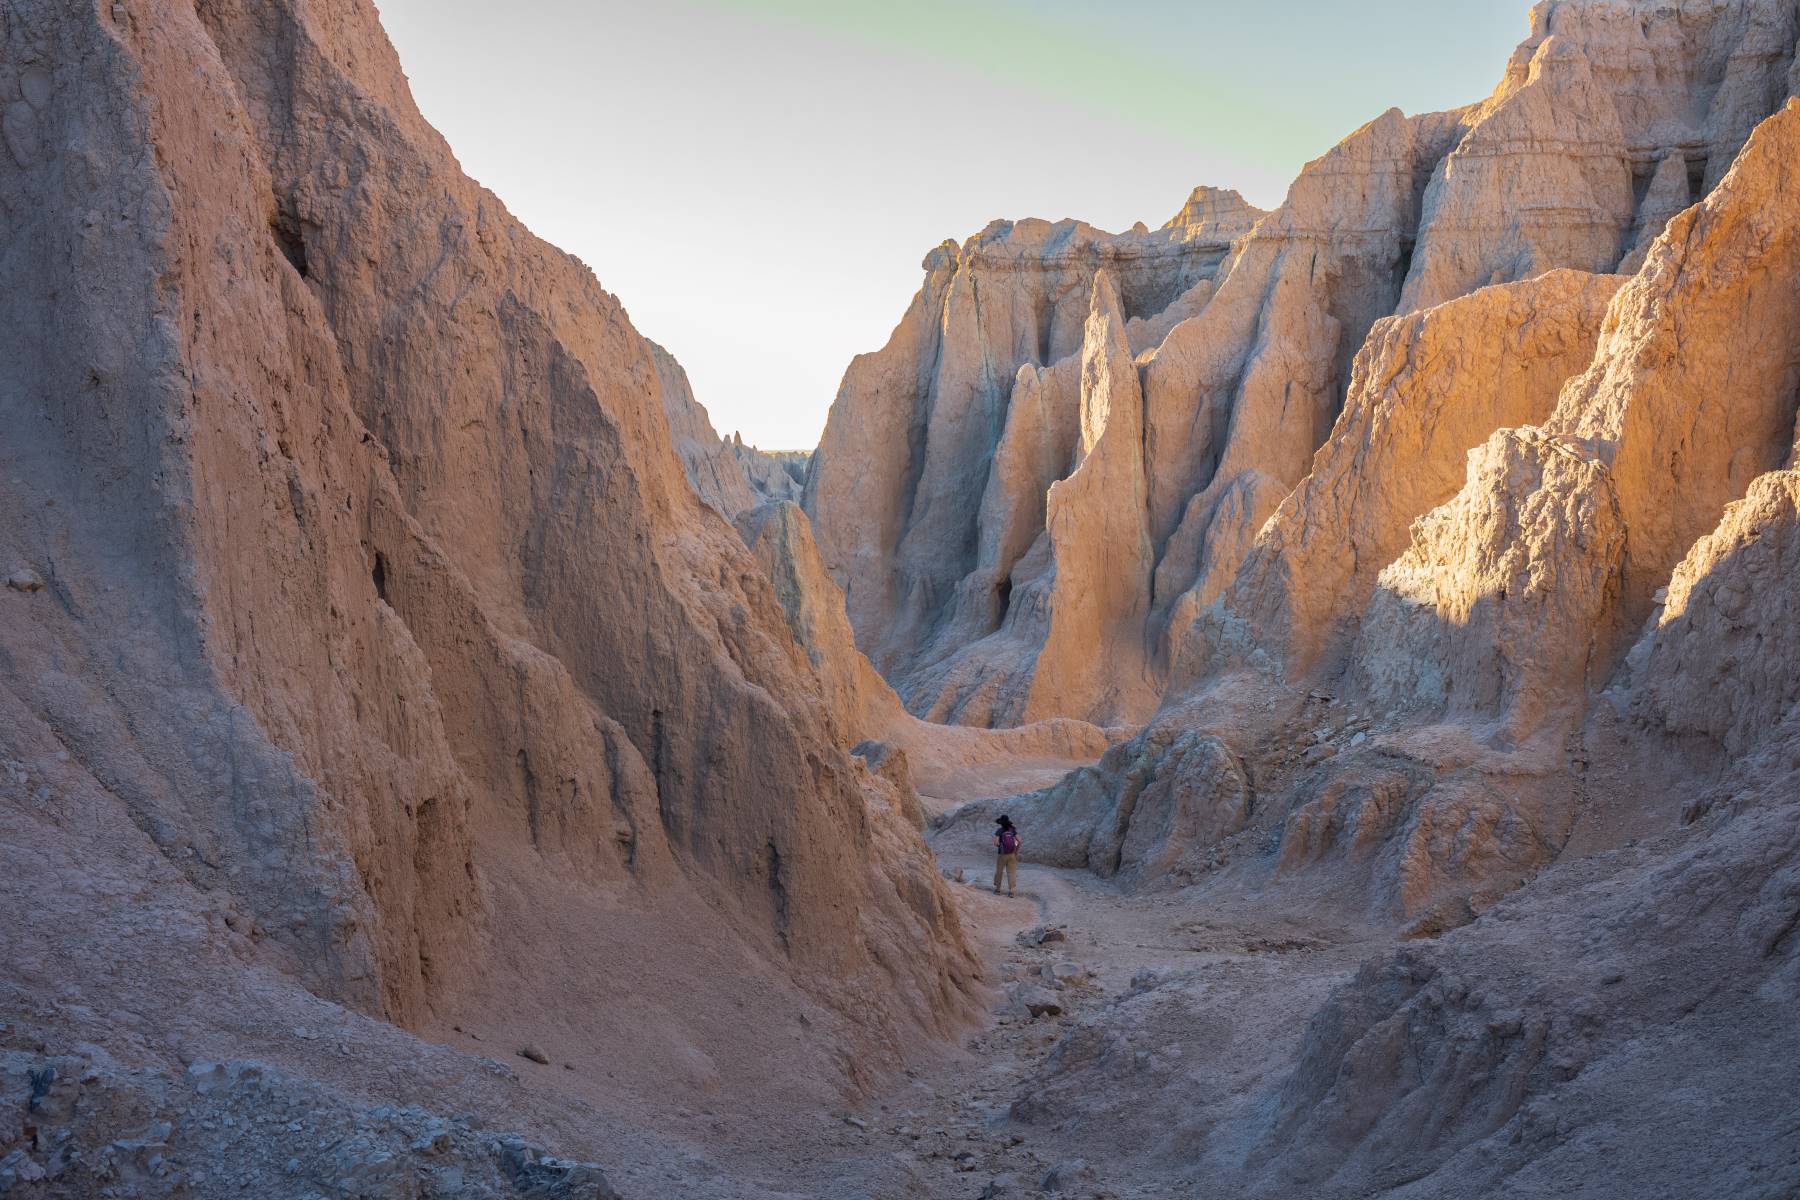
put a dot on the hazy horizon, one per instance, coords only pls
(757, 180)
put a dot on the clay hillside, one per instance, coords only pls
(434, 763)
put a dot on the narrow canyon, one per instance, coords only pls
(434, 763)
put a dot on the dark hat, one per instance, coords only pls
(1003, 819)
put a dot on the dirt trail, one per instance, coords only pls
(1201, 990)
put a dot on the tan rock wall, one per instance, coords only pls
(1427, 388)
(393, 578)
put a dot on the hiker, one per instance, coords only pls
(1006, 844)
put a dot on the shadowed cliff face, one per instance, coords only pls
(929, 490)
(374, 589)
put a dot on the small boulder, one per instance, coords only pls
(1038, 1001)
(534, 1054)
(24, 579)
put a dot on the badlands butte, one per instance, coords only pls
(434, 764)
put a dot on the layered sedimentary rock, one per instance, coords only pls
(374, 614)
(1493, 608)
(1502, 1051)
(1426, 389)
(1071, 636)
(930, 489)
(1565, 532)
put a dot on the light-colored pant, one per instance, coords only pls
(1007, 865)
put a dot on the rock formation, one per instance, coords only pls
(929, 492)
(1507, 669)
(890, 739)
(1393, 636)
(379, 636)
(412, 707)
(1426, 389)
(730, 476)
(1473, 627)
(901, 477)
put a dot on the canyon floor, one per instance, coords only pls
(1205, 984)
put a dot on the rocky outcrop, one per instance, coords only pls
(1573, 160)
(780, 537)
(1497, 666)
(867, 710)
(1427, 389)
(1071, 638)
(1472, 620)
(935, 467)
(1152, 809)
(712, 469)
(1459, 560)
(378, 624)
(1716, 665)
(728, 475)
(1500, 1051)
(902, 471)
(1528, 586)
(1477, 621)
(773, 474)
(1549, 738)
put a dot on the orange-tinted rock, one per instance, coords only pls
(384, 608)
(1608, 122)
(1427, 388)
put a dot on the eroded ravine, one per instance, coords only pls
(415, 787)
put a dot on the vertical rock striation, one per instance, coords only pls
(914, 526)
(930, 487)
(376, 599)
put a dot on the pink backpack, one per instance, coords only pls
(1009, 841)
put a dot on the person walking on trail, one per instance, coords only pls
(1006, 844)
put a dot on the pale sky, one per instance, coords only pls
(757, 180)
